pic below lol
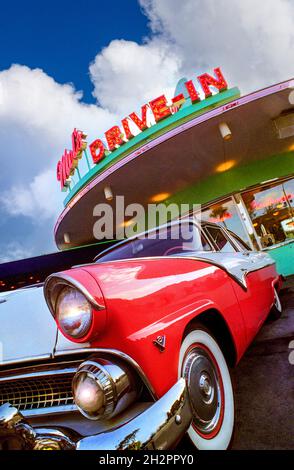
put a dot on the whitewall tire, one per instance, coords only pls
(204, 367)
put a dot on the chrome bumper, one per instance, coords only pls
(159, 427)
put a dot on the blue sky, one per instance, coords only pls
(66, 64)
(63, 36)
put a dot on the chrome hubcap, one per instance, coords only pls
(204, 390)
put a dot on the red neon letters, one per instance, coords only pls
(115, 137)
(206, 81)
(97, 150)
(141, 123)
(69, 160)
(159, 108)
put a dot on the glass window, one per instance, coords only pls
(226, 215)
(176, 239)
(219, 239)
(242, 246)
(271, 210)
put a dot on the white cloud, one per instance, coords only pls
(14, 251)
(126, 75)
(38, 200)
(252, 41)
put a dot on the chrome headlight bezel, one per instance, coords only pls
(73, 312)
(53, 288)
(115, 383)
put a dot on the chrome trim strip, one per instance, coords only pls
(56, 370)
(52, 410)
(67, 280)
(25, 359)
(112, 352)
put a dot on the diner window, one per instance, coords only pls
(271, 210)
(226, 214)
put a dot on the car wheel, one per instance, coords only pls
(276, 310)
(204, 367)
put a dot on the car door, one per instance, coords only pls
(251, 281)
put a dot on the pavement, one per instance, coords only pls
(264, 385)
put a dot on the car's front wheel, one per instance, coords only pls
(204, 367)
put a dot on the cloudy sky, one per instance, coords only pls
(67, 64)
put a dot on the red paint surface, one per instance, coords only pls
(150, 297)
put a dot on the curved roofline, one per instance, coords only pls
(168, 135)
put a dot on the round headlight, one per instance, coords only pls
(102, 389)
(88, 394)
(73, 312)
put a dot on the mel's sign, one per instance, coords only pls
(118, 135)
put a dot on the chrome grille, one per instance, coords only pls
(39, 390)
(37, 393)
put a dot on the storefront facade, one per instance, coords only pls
(232, 155)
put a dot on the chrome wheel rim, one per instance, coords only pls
(205, 390)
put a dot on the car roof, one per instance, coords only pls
(189, 220)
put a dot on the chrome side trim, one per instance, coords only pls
(23, 360)
(34, 372)
(53, 410)
(116, 353)
(55, 280)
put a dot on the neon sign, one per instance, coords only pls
(70, 158)
(117, 136)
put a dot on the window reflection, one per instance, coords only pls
(226, 214)
(271, 211)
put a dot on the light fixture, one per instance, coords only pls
(225, 131)
(291, 97)
(225, 166)
(284, 125)
(108, 193)
(160, 197)
(127, 223)
(291, 148)
(66, 237)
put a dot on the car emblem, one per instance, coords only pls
(159, 342)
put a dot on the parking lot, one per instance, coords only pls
(264, 385)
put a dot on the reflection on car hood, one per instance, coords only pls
(27, 327)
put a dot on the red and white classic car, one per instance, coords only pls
(152, 328)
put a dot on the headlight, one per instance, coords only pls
(73, 312)
(102, 389)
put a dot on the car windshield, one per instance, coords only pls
(171, 240)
